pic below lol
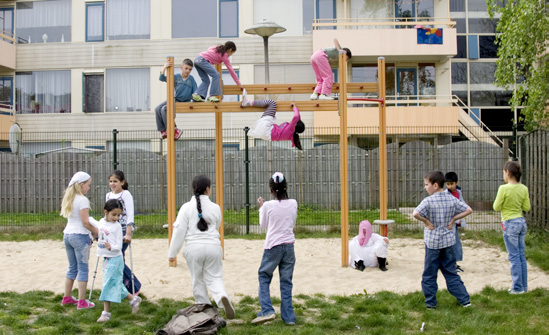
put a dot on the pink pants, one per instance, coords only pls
(323, 72)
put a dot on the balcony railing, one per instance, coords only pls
(383, 23)
(6, 36)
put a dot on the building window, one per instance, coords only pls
(228, 18)
(482, 73)
(95, 24)
(461, 47)
(206, 24)
(481, 26)
(43, 92)
(6, 23)
(127, 90)
(457, 5)
(477, 6)
(326, 10)
(367, 73)
(94, 93)
(43, 21)
(459, 73)
(308, 8)
(488, 47)
(427, 80)
(129, 19)
(6, 92)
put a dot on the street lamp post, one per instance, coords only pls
(265, 29)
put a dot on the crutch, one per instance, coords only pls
(131, 269)
(94, 273)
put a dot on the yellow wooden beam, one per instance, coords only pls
(234, 106)
(171, 152)
(296, 88)
(344, 162)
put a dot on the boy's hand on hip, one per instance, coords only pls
(429, 225)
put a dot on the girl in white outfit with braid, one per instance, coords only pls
(197, 224)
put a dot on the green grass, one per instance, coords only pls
(493, 312)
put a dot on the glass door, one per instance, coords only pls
(407, 84)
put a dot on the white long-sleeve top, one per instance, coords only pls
(127, 203)
(109, 232)
(185, 227)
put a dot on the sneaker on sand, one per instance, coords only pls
(105, 316)
(177, 133)
(245, 101)
(314, 96)
(228, 307)
(325, 97)
(163, 134)
(212, 99)
(85, 304)
(263, 319)
(198, 98)
(135, 304)
(69, 301)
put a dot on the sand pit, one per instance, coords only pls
(41, 265)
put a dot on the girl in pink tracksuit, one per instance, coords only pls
(320, 61)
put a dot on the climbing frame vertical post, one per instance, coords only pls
(170, 113)
(382, 145)
(343, 160)
(219, 161)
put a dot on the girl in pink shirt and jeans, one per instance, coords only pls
(266, 127)
(279, 217)
(204, 64)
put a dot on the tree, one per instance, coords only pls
(522, 64)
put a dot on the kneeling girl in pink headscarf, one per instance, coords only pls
(368, 249)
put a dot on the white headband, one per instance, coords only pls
(280, 177)
(79, 177)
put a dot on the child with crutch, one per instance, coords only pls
(267, 129)
(110, 248)
(77, 237)
(197, 225)
(119, 190)
(204, 64)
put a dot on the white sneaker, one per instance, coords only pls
(245, 101)
(135, 304)
(263, 319)
(228, 307)
(105, 316)
(325, 97)
(314, 96)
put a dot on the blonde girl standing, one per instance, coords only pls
(119, 191)
(511, 200)
(110, 247)
(77, 237)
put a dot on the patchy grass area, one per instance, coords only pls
(493, 312)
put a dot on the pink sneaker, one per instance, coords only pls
(164, 134)
(177, 133)
(84, 304)
(69, 301)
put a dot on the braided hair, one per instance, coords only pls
(277, 183)
(199, 185)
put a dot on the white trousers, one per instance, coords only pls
(368, 253)
(204, 263)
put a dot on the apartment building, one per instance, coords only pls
(85, 65)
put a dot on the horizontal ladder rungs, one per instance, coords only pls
(296, 88)
(234, 106)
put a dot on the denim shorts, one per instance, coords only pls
(77, 247)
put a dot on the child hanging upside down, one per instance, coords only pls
(266, 127)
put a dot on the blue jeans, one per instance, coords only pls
(458, 248)
(127, 278)
(282, 256)
(205, 71)
(77, 247)
(161, 121)
(445, 260)
(513, 236)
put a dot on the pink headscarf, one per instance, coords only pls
(364, 232)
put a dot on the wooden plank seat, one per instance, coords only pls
(234, 106)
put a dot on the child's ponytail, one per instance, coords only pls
(222, 48)
(299, 128)
(278, 185)
(200, 185)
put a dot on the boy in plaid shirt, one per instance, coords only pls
(438, 212)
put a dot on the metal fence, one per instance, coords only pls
(534, 154)
(32, 181)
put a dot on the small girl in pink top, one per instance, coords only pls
(204, 65)
(266, 127)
